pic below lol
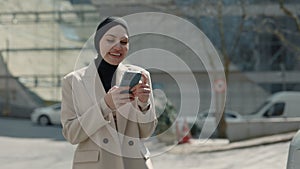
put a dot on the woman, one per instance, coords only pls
(108, 124)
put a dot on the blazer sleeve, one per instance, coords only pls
(147, 120)
(78, 128)
(146, 129)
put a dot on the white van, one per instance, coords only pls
(281, 104)
(279, 114)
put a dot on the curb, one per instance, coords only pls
(204, 146)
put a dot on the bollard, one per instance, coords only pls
(294, 153)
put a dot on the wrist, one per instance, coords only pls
(108, 101)
(143, 99)
(143, 106)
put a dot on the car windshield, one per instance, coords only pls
(260, 107)
(56, 106)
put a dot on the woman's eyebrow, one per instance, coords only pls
(111, 35)
(116, 36)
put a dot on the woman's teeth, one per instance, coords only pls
(116, 54)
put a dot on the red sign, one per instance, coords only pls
(219, 85)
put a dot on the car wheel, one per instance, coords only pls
(44, 120)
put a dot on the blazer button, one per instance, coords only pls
(130, 143)
(105, 140)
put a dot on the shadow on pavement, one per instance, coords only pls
(24, 128)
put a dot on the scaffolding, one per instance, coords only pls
(58, 16)
(37, 35)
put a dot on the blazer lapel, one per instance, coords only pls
(96, 91)
(122, 117)
(92, 83)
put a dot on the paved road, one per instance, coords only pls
(19, 150)
(23, 128)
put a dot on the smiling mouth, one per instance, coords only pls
(115, 54)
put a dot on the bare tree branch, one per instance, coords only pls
(284, 40)
(241, 28)
(221, 29)
(289, 13)
(264, 28)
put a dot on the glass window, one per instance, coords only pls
(57, 107)
(275, 110)
(229, 115)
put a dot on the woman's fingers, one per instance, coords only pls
(123, 101)
(141, 89)
(119, 97)
(125, 96)
(112, 89)
(122, 88)
(143, 81)
(144, 78)
(119, 90)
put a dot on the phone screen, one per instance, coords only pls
(131, 78)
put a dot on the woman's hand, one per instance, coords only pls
(142, 89)
(115, 97)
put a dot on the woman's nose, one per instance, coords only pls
(117, 46)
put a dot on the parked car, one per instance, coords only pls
(47, 115)
(206, 122)
(229, 114)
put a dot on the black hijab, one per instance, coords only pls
(106, 71)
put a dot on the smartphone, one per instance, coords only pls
(130, 78)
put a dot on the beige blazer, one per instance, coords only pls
(88, 122)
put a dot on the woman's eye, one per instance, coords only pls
(124, 42)
(110, 40)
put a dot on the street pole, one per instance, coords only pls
(6, 111)
(283, 76)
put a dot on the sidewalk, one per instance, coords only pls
(216, 145)
(50, 154)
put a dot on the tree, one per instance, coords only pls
(166, 114)
(226, 53)
(235, 27)
(227, 43)
(166, 119)
(295, 18)
(272, 25)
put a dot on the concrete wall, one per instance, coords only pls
(260, 127)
